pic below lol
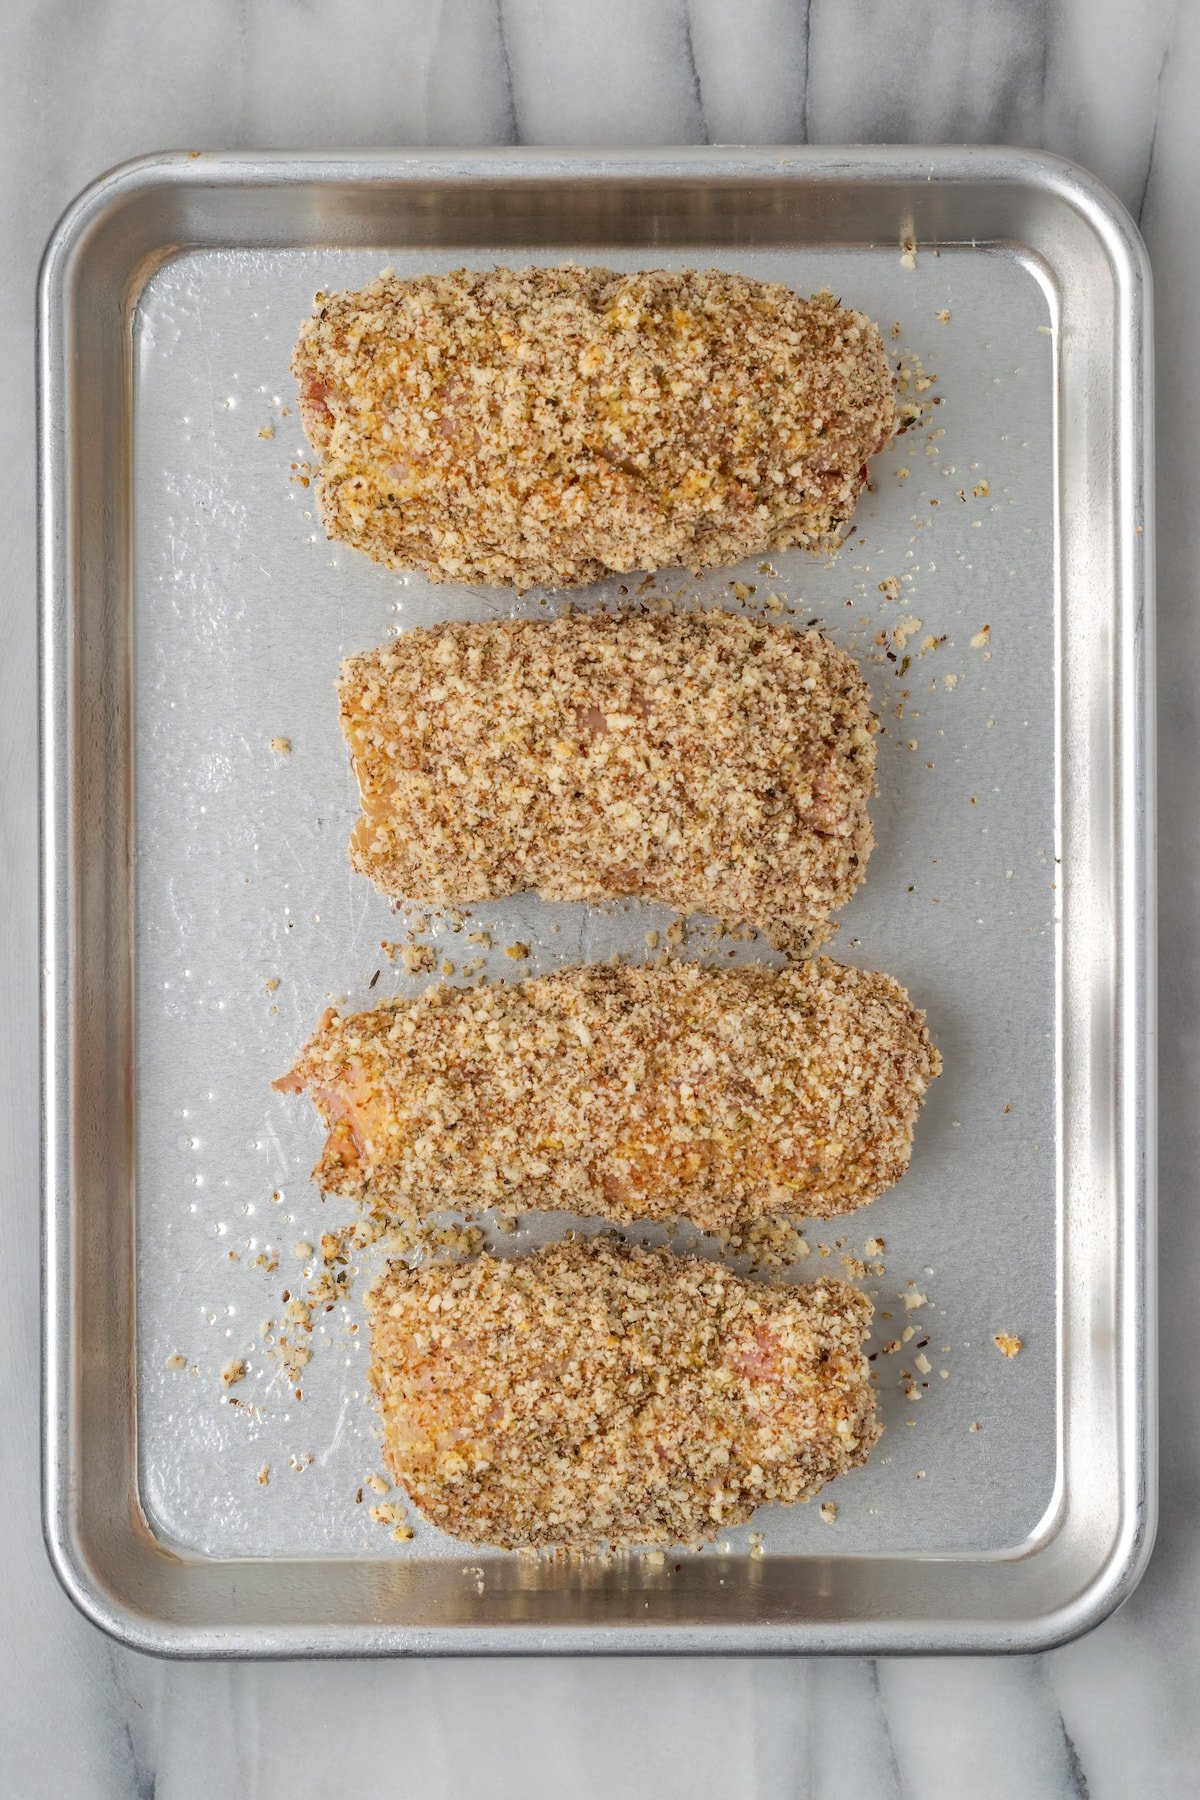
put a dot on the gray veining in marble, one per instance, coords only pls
(86, 83)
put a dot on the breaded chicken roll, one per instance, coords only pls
(590, 1395)
(707, 760)
(555, 425)
(716, 1095)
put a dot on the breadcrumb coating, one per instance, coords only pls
(630, 1093)
(555, 425)
(707, 760)
(590, 1395)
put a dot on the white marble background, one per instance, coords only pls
(86, 83)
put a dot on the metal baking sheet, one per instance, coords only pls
(200, 911)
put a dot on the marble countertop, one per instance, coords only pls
(85, 86)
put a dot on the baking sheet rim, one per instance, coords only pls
(1122, 1568)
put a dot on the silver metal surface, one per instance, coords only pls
(193, 611)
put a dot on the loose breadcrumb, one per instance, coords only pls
(282, 746)
(591, 1394)
(713, 762)
(176, 1362)
(387, 1514)
(1010, 1346)
(717, 1094)
(418, 959)
(906, 628)
(555, 425)
(767, 1244)
(829, 1511)
(234, 1371)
